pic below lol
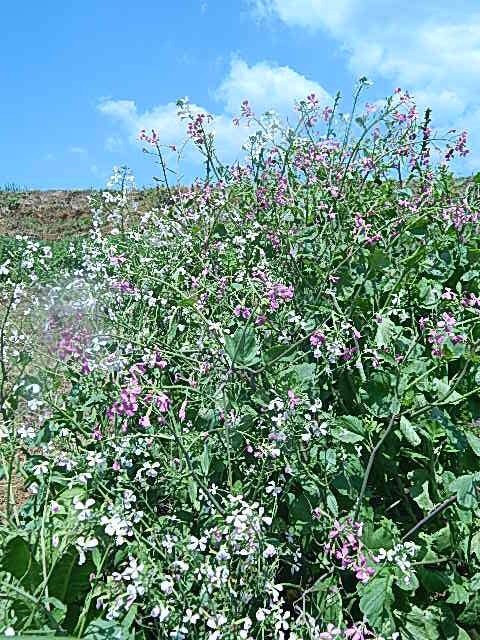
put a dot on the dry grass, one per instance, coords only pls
(50, 215)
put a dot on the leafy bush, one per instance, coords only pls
(253, 413)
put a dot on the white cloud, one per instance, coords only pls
(330, 14)
(430, 48)
(434, 48)
(265, 85)
(162, 118)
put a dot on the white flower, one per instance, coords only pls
(95, 459)
(169, 543)
(133, 571)
(33, 488)
(161, 612)
(9, 631)
(33, 388)
(273, 488)
(34, 404)
(54, 507)
(269, 551)
(83, 545)
(40, 469)
(116, 526)
(216, 622)
(197, 543)
(190, 617)
(83, 508)
(166, 586)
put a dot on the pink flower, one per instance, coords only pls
(317, 338)
(422, 322)
(293, 401)
(145, 422)
(332, 632)
(85, 367)
(243, 312)
(326, 113)
(181, 413)
(163, 402)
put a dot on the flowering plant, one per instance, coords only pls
(253, 411)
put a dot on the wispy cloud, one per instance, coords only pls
(114, 144)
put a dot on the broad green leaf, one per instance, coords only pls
(408, 430)
(423, 624)
(420, 493)
(444, 391)
(385, 332)
(18, 560)
(471, 614)
(376, 598)
(464, 487)
(69, 581)
(474, 442)
(458, 591)
(301, 509)
(106, 630)
(332, 504)
(305, 373)
(242, 347)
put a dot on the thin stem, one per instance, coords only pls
(371, 460)
(441, 507)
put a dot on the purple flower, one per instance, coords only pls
(293, 400)
(163, 402)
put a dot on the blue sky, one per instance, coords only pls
(79, 79)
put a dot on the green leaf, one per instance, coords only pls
(376, 599)
(422, 624)
(379, 394)
(242, 347)
(305, 373)
(442, 387)
(18, 560)
(301, 509)
(205, 459)
(471, 614)
(474, 442)
(459, 594)
(408, 430)
(475, 582)
(348, 429)
(475, 544)
(464, 487)
(332, 504)
(69, 581)
(455, 436)
(106, 630)
(385, 332)
(420, 493)
(462, 634)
